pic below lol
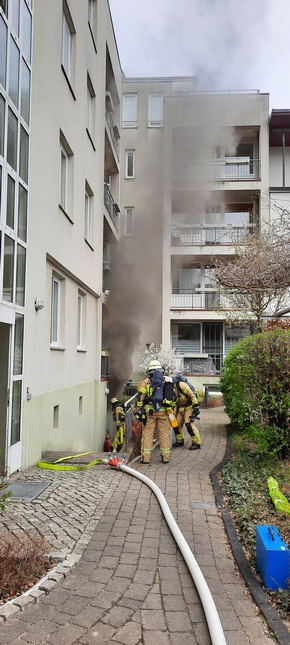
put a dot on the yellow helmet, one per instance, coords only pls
(114, 400)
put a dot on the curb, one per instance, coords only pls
(274, 622)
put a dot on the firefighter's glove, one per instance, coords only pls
(141, 416)
(195, 413)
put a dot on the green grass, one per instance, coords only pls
(244, 484)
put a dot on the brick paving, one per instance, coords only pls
(120, 577)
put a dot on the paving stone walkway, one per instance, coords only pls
(120, 577)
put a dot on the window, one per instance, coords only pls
(15, 16)
(66, 176)
(90, 108)
(81, 320)
(20, 275)
(129, 214)
(88, 214)
(8, 271)
(155, 111)
(56, 310)
(129, 164)
(24, 153)
(10, 203)
(22, 213)
(4, 6)
(186, 337)
(68, 43)
(25, 92)
(129, 111)
(26, 32)
(12, 140)
(92, 19)
(3, 49)
(2, 124)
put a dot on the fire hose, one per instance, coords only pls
(211, 614)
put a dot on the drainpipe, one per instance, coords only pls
(212, 617)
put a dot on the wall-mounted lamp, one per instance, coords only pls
(38, 304)
(107, 391)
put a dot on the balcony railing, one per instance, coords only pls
(113, 131)
(197, 299)
(209, 235)
(111, 206)
(235, 169)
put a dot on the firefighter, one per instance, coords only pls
(151, 417)
(119, 418)
(187, 409)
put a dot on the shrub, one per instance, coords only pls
(23, 562)
(255, 386)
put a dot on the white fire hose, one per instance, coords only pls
(212, 617)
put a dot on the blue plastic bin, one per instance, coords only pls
(272, 557)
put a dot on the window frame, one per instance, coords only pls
(127, 164)
(129, 123)
(56, 310)
(88, 219)
(68, 46)
(129, 223)
(81, 320)
(65, 177)
(155, 123)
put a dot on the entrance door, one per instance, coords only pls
(5, 334)
(213, 343)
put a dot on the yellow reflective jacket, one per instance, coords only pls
(186, 398)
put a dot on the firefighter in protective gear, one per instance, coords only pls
(119, 418)
(187, 409)
(158, 418)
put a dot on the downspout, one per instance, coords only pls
(212, 617)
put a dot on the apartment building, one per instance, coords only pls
(195, 166)
(60, 89)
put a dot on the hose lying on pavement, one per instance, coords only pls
(212, 617)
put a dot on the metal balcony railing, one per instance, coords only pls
(111, 206)
(197, 299)
(209, 235)
(235, 169)
(113, 131)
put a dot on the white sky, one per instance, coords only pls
(228, 44)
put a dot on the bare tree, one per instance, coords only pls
(256, 279)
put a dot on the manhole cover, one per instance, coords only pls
(25, 489)
(204, 505)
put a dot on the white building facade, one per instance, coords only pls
(60, 89)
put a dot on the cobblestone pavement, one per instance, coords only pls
(121, 578)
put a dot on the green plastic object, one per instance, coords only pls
(279, 500)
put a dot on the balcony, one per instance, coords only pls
(197, 299)
(235, 169)
(209, 235)
(111, 206)
(113, 129)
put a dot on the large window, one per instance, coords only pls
(12, 140)
(26, 32)
(20, 275)
(8, 272)
(25, 92)
(129, 164)
(155, 111)
(3, 50)
(129, 111)
(2, 124)
(14, 72)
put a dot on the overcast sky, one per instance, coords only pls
(228, 44)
